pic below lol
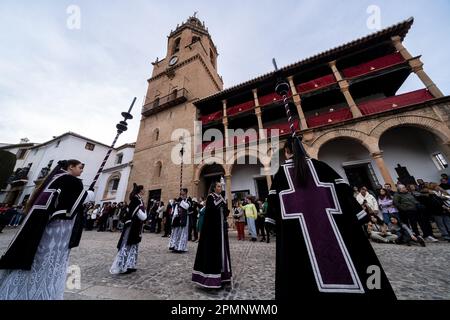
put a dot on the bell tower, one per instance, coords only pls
(187, 73)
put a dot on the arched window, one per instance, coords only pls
(111, 186)
(158, 169)
(176, 45)
(195, 39)
(156, 134)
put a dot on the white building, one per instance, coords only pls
(36, 160)
(113, 181)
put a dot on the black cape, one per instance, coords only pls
(133, 222)
(322, 251)
(62, 198)
(212, 265)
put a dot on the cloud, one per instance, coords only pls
(54, 79)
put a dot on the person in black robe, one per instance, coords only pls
(128, 245)
(212, 267)
(167, 219)
(35, 263)
(322, 251)
(180, 223)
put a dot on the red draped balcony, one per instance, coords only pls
(220, 143)
(371, 107)
(268, 99)
(211, 117)
(395, 102)
(329, 118)
(242, 107)
(282, 127)
(373, 65)
(234, 110)
(316, 83)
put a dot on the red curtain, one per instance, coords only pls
(316, 83)
(399, 101)
(328, 118)
(371, 66)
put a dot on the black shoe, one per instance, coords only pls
(268, 240)
(263, 240)
(254, 239)
(171, 249)
(127, 272)
(131, 270)
(421, 241)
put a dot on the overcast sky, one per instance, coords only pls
(54, 79)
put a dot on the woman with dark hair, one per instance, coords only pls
(386, 204)
(212, 267)
(251, 214)
(238, 214)
(126, 258)
(322, 251)
(37, 258)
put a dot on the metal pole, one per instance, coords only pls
(121, 127)
(181, 170)
(282, 88)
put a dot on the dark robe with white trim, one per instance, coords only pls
(212, 265)
(133, 222)
(63, 199)
(322, 251)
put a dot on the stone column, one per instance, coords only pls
(268, 177)
(196, 191)
(262, 135)
(229, 198)
(417, 67)
(225, 123)
(343, 84)
(378, 157)
(298, 104)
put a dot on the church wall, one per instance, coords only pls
(243, 177)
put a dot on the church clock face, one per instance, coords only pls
(173, 61)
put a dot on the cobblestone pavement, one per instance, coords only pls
(414, 272)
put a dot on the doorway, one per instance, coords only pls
(155, 195)
(261, 188)
(362, 174)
